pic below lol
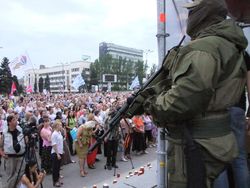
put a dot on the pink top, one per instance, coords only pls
(46, 136)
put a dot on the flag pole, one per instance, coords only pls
(30, 61)
(27, 54)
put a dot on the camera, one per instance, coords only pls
(30, 129)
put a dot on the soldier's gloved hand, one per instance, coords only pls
(148, 105)
(135, 105)
(130, 99)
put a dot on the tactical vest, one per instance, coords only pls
(227, 89)
(230, 67)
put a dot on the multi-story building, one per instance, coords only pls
(117, 51)
(61, 76)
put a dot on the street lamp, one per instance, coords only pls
(63, 78)
(146, 57)
(146, 54)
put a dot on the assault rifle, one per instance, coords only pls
(134, 106)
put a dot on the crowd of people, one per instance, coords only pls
(57, 127)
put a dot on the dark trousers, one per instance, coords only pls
(148, 136)
(40, 146)
(129, 136)
(70, 141)
(112, 146)
(138, 142)
(46, 159)
(55, 167)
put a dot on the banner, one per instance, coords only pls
(78, 81)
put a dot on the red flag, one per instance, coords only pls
(13, 88)
(29, 89)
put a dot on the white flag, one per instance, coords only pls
(78, 81)
(135, 83)
(45, 92)
(20, 64)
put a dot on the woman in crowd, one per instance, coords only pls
(31, 178)
(56, 152)
(70, 124)
(80, 112)
(66, 159)
(126, 125)
(139, 144)
(148, 124)
(39, 127)
(45, 134)
(84, 135)
(91, 157)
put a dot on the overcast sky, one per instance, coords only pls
(55, 31)
(60, 31)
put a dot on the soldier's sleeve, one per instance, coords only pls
(191, 92)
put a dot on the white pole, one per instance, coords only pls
(161, 146)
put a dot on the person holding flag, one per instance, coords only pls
(13, 88)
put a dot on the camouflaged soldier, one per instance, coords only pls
(207, 78)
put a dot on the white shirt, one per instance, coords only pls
(2, 123)
(52, 117)
(57, 110)
(18, 109)
(57, 139)
(29, 108)
(22, 186)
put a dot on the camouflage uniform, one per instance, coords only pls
(208, 76)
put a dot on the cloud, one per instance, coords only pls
(62, 30)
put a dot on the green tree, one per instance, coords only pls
(94, 73)
(123, 68)
(140, 70)
(153, 70)
(40, 84)
(47, 83)
(35, 85)
(85, 77)
(5, 77)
